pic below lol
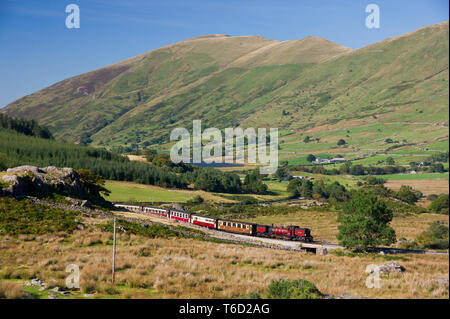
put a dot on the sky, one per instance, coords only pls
(38, 50)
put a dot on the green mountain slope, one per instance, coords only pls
(396, 89)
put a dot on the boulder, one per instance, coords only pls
(17, 185)
(388, 268)
(22, 180)
(37, 282)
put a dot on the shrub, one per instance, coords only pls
(23, 217)
(310, 158)
(292, 289)
(390, 161)
(408, 195)
(435, 237)
(197, 199)
(373, 180)
(439, 204)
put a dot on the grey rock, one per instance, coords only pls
(24, 168)
(20, 179)
(37, 282)
(388, 267)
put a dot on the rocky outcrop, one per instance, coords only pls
(385, 269)
(27, 180)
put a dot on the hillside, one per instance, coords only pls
(396, 89)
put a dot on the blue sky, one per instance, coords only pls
(37, 50)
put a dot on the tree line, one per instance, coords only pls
(17, 149)
(27, 127)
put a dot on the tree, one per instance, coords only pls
(364, 222)
(439, 204)
(307, 139)
(310, 158)
(93, 183)
(300, 187)
(341, 142)
(253, 183)
(390, 161)
(408, 195)
(282, 173)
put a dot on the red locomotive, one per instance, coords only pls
(290, 232)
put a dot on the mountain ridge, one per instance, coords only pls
(246, 80)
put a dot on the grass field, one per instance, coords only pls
(133, 192)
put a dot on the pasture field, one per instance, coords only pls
(133, 192)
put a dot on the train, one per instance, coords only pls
(291, 232)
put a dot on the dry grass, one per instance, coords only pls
(324, 225)
(10, 290)
(426, 186)
(139, 158)
(187, 268)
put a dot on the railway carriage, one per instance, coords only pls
(180, 215)
(133, 208)
(204, 221)
(161, 212)
(234, 226)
